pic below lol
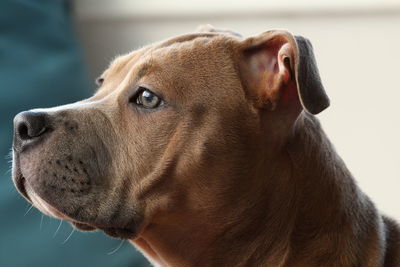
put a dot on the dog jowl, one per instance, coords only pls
(203, 150)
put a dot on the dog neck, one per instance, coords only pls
(329, 208)
(297, 200)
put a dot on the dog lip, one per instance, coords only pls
(114, 231)
(22, 186)
(20, 183)
(44, 206)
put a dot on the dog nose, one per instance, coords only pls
(28, 127)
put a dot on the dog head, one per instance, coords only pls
(175, 126)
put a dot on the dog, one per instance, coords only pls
(203, 150)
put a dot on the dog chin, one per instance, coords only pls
(83, 226)
(122, 233)
(44, 207)
(30, 195)
(113, 231)
(116, 232)
(48, 209)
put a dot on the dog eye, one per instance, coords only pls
(147, 99)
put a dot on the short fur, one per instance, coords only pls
(233, 170)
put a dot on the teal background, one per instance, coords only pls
(41, 66)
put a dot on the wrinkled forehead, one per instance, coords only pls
(186, 56)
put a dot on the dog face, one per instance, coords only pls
(173, 127)
(118, 158)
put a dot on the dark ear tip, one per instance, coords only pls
(302, 39)
(311, 91)
(318, 108)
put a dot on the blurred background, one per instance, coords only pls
(52, 50)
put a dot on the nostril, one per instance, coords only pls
(30, 125)
(23, 131)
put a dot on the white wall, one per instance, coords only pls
(357, 48)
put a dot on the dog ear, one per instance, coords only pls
(280, 71)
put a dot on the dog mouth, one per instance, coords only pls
(22, 185)
(20, 181)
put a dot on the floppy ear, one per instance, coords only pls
(280, 71)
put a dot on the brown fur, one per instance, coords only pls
(232, 171)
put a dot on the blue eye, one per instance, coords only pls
(147, 99)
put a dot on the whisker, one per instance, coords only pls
(58, 228)
(116, 249)
(13, 190)
(69, 236)
(41, 222)
(9, 157)
(28, 210)
(9, 154)
(8, 171)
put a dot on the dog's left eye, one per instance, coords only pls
(147, 99)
